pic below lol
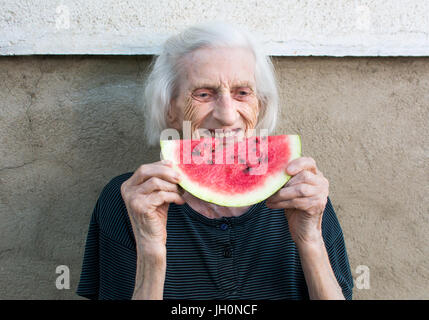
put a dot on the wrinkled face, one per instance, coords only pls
(216, 91)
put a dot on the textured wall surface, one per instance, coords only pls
(70, 124)
(288, 27)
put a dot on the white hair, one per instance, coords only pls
(162, 82)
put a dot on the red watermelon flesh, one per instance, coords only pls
(231, 173)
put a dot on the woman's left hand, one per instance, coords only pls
(303, 199)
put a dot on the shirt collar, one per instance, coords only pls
(215, 222)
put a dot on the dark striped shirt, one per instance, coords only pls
(248, 257)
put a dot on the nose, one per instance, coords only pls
(225, 110)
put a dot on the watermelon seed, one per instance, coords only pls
(247, 170)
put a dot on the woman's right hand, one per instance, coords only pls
(147, 195)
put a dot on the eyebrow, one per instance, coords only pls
(215, 87)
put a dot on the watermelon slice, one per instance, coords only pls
(232, 173)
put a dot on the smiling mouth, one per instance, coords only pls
(220, 133)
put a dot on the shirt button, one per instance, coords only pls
(224, 226)
(227, 252)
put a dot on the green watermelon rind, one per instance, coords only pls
(272, 184)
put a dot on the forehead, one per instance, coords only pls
(219, 66)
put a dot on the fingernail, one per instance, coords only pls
(291, 169)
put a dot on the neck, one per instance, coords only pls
(211, 210)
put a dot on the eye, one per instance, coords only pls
(242, 93)
(203, 95)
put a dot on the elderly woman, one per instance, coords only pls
(149, 240)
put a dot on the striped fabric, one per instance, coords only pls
(248, 257)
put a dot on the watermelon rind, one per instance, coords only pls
(270, 186)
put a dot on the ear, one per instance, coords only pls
(172, 116)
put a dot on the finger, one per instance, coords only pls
(292, 192)
(160, 197)
(157, 184)
(296, 203)
(159, 169)
(306, 177)
(319, 173)
(302, 163)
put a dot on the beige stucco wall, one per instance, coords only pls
(68, 124)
